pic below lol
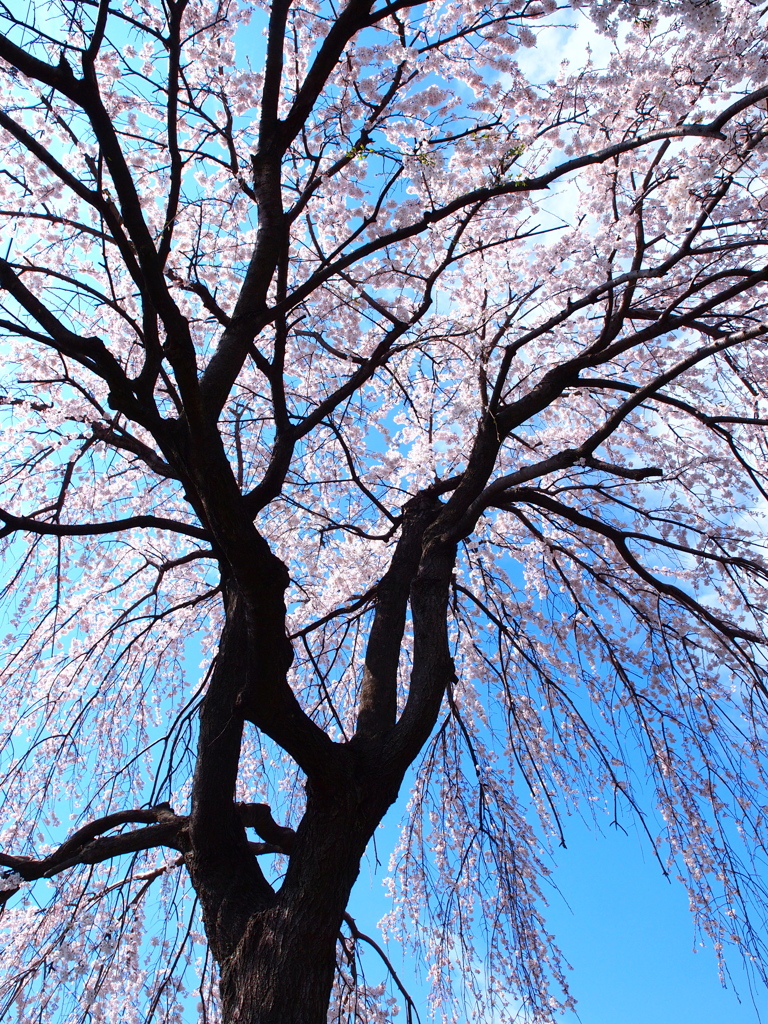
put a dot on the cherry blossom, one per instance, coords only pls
(382, 424)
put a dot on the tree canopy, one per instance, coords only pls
(376, 418)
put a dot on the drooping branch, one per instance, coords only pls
(620, 540)
(360, 936)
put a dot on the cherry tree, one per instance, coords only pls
(377, 417)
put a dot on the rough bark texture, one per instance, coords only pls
(277, 950)
(283, 966)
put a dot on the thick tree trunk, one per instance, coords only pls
(276, 950)
(282, 969)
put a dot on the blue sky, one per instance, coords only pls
(627, 933)
(630, 939)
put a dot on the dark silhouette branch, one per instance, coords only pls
(14, 524)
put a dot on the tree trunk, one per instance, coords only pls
(282, 969)
(276, 949)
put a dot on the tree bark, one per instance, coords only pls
(282, 970)
(276, 950)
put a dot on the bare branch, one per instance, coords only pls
(14, 524)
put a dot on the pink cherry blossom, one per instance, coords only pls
(382, 420)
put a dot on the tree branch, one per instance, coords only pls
(377, 707)
(14, 524)
(619, 540)
(89, 846)
(259, 817)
